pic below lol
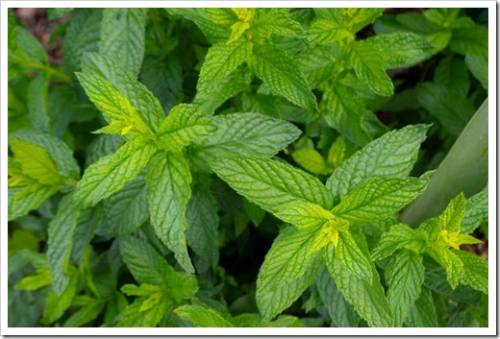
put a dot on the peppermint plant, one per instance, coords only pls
(247, 167)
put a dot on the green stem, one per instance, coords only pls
(464, 169)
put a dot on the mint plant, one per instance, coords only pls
(247, 167)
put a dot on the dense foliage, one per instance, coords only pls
(242, 167)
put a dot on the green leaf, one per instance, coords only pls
(270, 183)
(163, 77)
(206, 20)
(221, 60)
(247, 134)
(393, 154)
(34, 162)
(452, 264)
(281, 73)
(168, 182)
(60, 241)
(56, 304)
(345, 111)
(423, 313)
(123, 36)
(452, 110)
(401, 49)
(475, 271)
(470, 40)
(341, 313)
(217, 93)
(89, 312)
(118, 110)
(452, 74)
(476, 212)
(365, 60)
(274, 22)
(478, 66)
(399, 236)
(58, 151)
(366, 296)
(202, 316)
(123, 81)
(41, 279)
(110, 173)
(405, 276)
(351, 257)
(82, 36)
(288, 269)
(203, 220)
(184, 125)
(37, 102)
(25, 50)
(23, 200)
(126, 210)
(378, 198)
(303, 214)
(311, 160)
(148, 309)
(451, 218)
(149, 267)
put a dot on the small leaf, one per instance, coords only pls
(311, 160)
(202, 316)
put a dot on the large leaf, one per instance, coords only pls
(110, 173)
(289, 268)
(393, 154)
(378, 198)
(366, 296)
(247, 134)
(405, 276)
(202, 234)
(402, 49)
(60, 242)
(122, 36)
(270, 183)
(168, 183)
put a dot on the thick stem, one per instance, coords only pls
(464, 169)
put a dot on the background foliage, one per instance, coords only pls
(116, 217)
